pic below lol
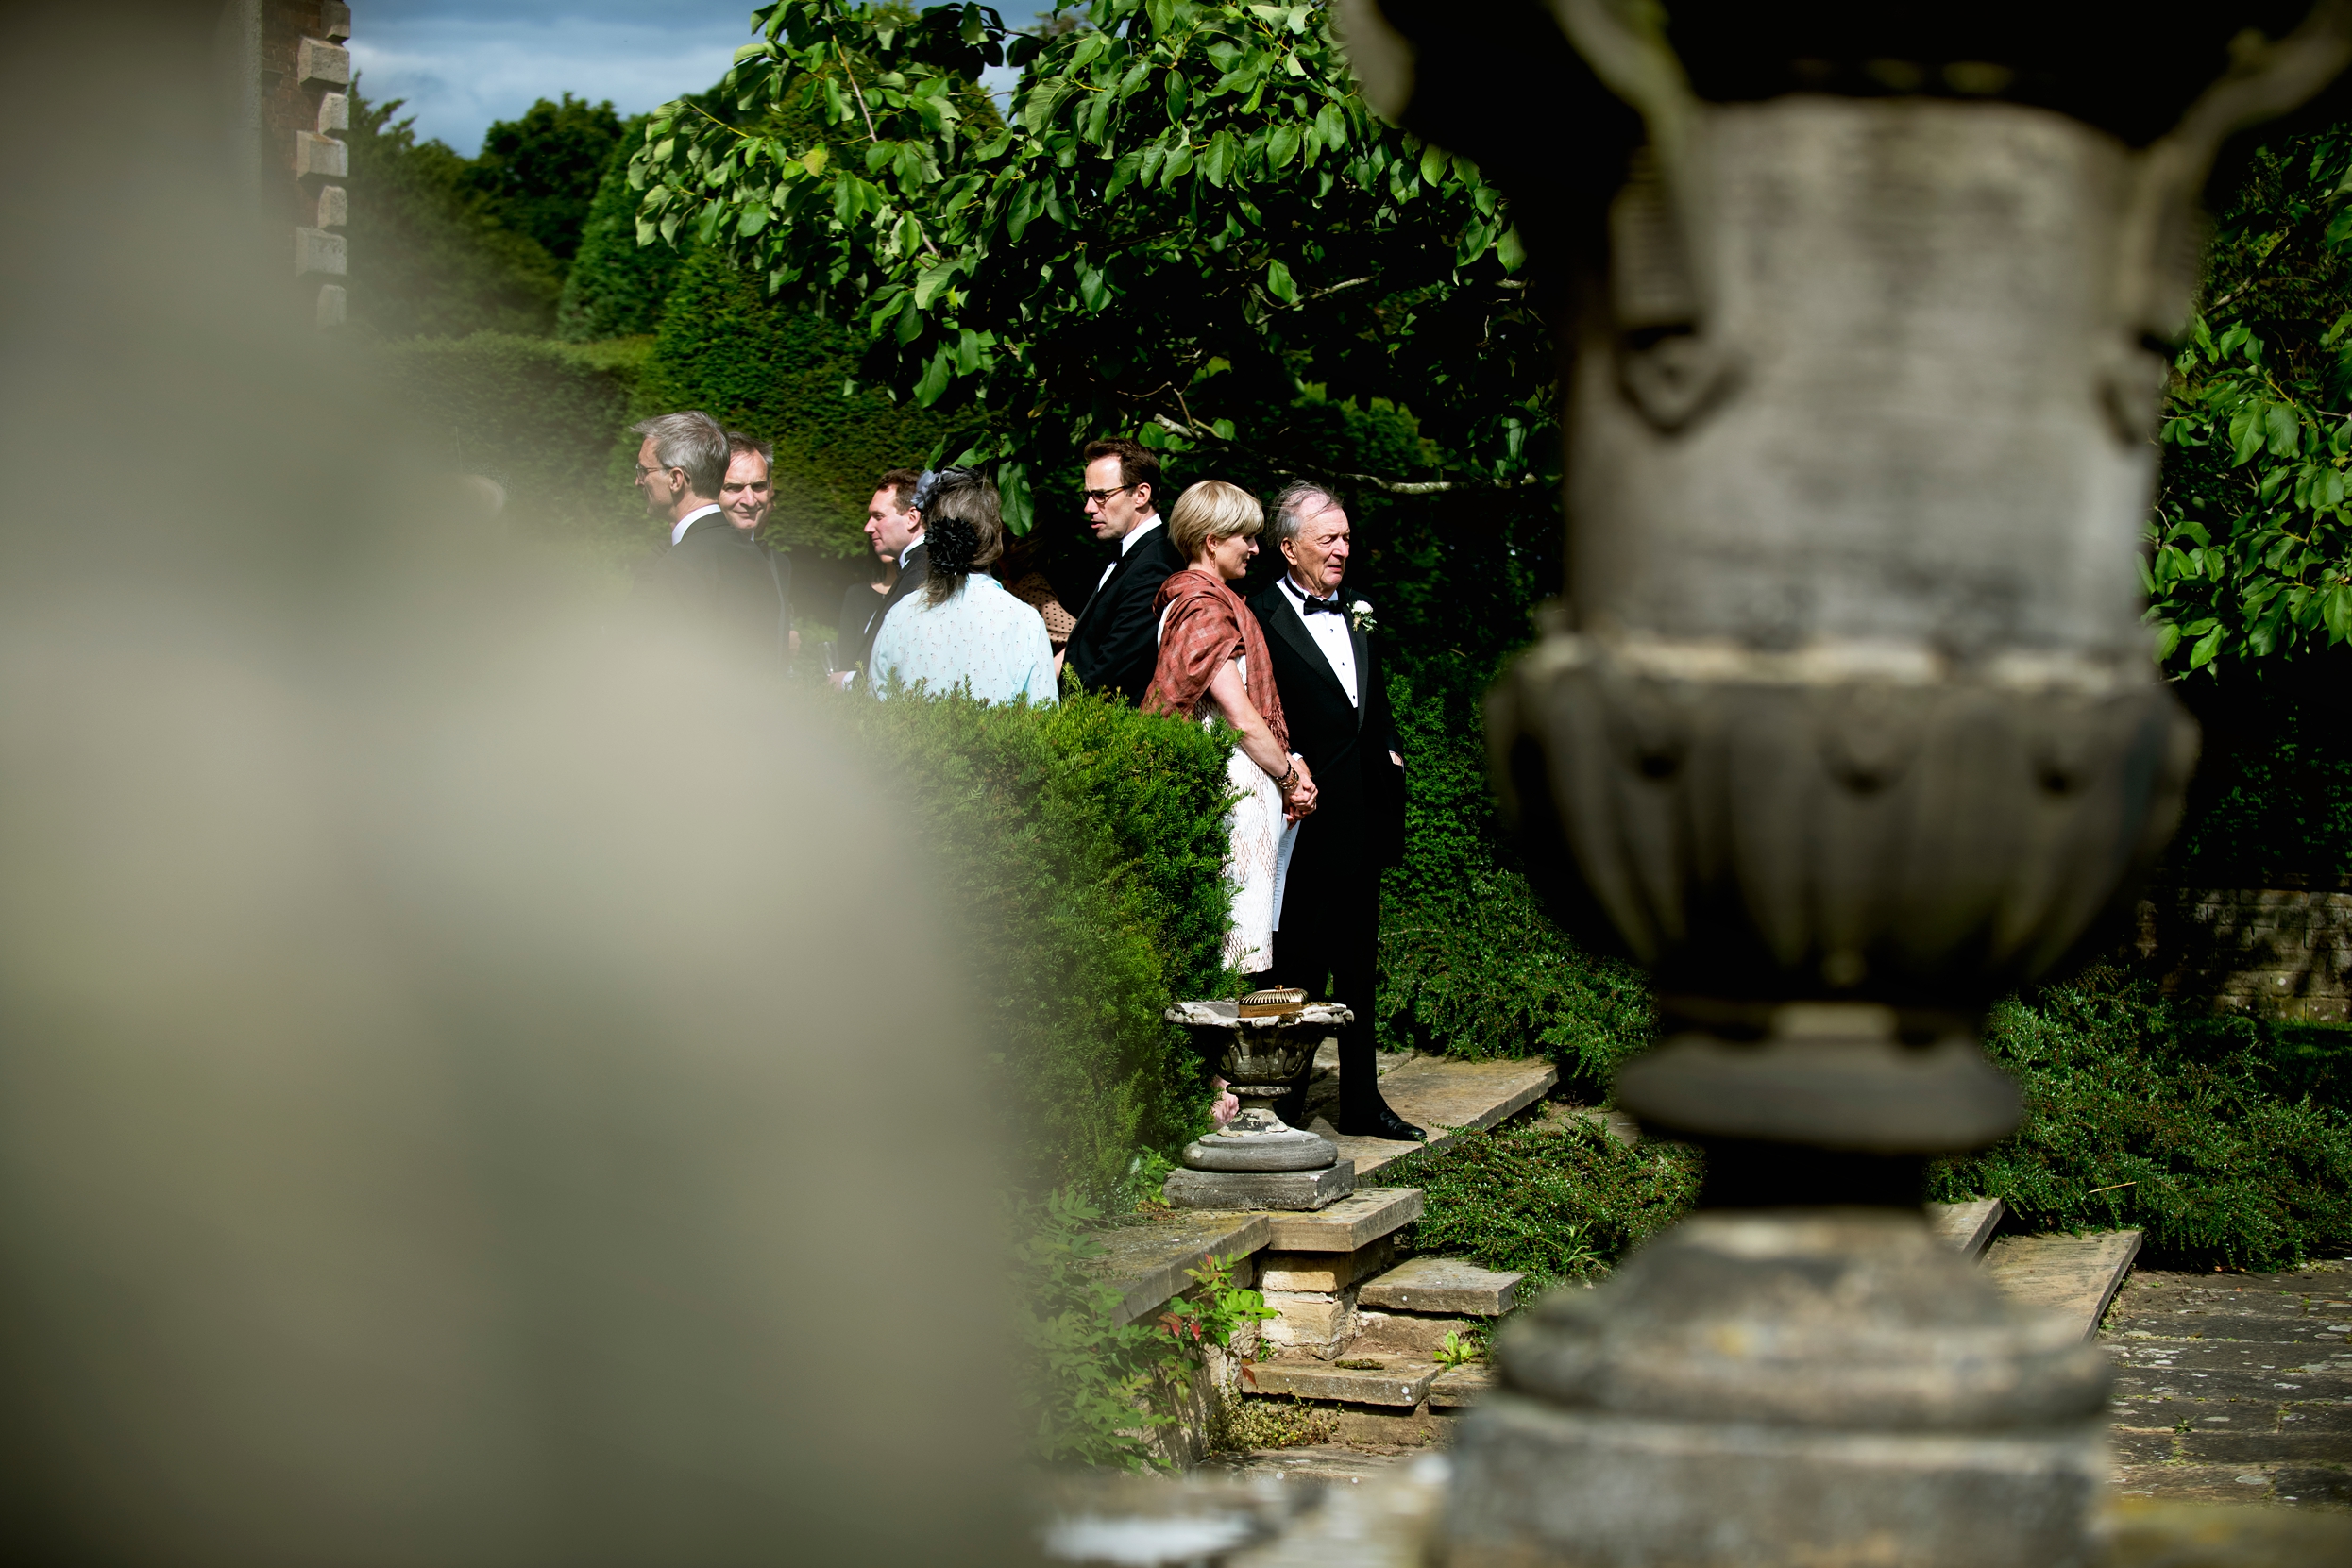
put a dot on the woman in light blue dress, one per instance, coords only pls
(962, 631)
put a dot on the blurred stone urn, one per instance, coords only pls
(1847, 722)
(1262, 1044)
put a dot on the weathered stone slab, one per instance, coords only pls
(1392, 1382)
(1967, 1227)
(1381, 1333)
(1325, 1271)
(1443, 1285)
(2074, 1276)
(1271, 1190)
(1457, 1388)
(1149, 1263)
(1447, 1098)
(1318, 1322)
(1354, 1221)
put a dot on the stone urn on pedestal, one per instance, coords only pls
(1262, 1044)
(1846, 722)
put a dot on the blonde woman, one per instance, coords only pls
(1213, 666)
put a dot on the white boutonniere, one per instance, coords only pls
(1359, 615)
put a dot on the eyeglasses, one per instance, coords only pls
(644, 473)
(1098, 497)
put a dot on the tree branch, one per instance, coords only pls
(842, 54)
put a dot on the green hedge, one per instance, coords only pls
(1470, 964)
(2228, 1141)
(791, 377)
(1082, 848)
(542, 418)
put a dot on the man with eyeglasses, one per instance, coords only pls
(713, 580)
(1115, 644)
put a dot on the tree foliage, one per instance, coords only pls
(2252, 554)
(431, 258)
(538, 174)
(1187, 220)
(616, 287)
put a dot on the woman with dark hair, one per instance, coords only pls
(961, 630)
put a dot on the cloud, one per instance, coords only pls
(460, 66)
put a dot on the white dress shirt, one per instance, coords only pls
(690, 519)
(1330, 635)
(1127, 542)
(908, 550)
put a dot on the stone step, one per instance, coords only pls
(1406, 1334)
(2074, 1276)
(1446, 1097)
(1458, 1388)
(1451, 1285)
(1149, 1263)
(1396, 1380)
(1356, 1220)
(1967, 1227)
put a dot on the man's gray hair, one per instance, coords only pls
(1299, 500)
(692, 441)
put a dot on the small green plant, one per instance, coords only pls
(1086, 1375)
(1213, 1310)
(1458, 1350)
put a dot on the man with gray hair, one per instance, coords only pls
(1328, 922)
(713, 578)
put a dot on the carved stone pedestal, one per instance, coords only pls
(1790, 1386)
(1257, 1160)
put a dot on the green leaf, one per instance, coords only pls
(1044, 100)
(1281, 146)
(1279, 283)
(1432, 164)
(2167, 640)
(1218, 161)
(2206, 646)
(909, 323)
(2284, 430)
(935, 377)
(1510, 251)
(932, 280)
(1094, 288)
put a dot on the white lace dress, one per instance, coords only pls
(1256, 833)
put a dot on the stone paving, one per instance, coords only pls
(2234, 1387)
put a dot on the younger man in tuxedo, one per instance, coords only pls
(894, 528)
(1115, 646)
(713, 580)
(745, 495)
(1325, 669)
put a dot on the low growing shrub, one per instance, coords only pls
(2225, 1139)
(1551, 1200)
(1083, 848)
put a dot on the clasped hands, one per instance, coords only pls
(1299, 797)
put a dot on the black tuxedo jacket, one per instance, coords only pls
(1359, 822)
(715, 580)
(910, 577)
(1115, 646)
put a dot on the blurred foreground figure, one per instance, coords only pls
(422, 1047)
(1845, 723)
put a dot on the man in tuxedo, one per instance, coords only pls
(894, 528)
(1327, 930)
(1115, 646)
(745, 495)
(713, 580)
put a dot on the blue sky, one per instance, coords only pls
(462, 65)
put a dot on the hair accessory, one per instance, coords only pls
(928, 484)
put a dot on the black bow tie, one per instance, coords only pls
(1312, 605)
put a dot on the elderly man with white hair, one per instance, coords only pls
(1328, 922)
